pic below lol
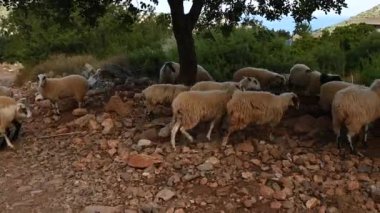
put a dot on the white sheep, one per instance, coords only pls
(354, 108)
(247, 83)
(190, 108)
(5, 91)
(299, 76)
(12, 111)
(69, 86)
(267, 79)
(252, 107)
(170, 70)
(328, 91)
(162, 94)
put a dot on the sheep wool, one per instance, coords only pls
(170, 70)
(267, 79)
(190, 108)
(162, 94)
(247, 83)
(258, 108)
(69, 86)
(328, 91)
(355, 107)
(11, 111)
(5, 91)
(299, 76)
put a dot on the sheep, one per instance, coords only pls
(247, 83)
(69, 86)
(170, 70)
(298, 76)
(5, 91)
(12, 112)
(328, 91)
(257, 107)
(162, 94)
(354, 108)
(190, 108)
(267, 79)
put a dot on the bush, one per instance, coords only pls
(371, 69)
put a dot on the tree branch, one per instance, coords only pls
(195, 12)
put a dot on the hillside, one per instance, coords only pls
(371, 16)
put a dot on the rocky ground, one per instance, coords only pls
(101, 161)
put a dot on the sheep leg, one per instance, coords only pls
(365, 144)
(210, 130)
(7, 140)
(353, 150)
(17, 130)
(173, 133)
(187, 135)
(57, 108)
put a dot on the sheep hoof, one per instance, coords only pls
(208, 137)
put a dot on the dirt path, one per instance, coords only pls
(295, 173)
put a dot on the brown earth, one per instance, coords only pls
(70, 164)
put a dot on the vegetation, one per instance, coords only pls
(44, 43)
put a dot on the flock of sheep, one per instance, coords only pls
(232, 105)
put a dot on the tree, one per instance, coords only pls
(215, 12)
(231, 12)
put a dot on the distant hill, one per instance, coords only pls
(371, 16)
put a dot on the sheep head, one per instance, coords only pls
(22, 109)
(249, 83)
(41, 80)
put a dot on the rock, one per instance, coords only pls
(112, 151)
(245, 147)
(179, 211)
(102, 209)
(353, 185)
(370, 204)
(115, 104)
(305, 124)
(279, 195)
(142, 161)
(93, 125)
(249, 203)
(43, 103)
(113, 144)
(266, 191)
(375, 193)
(312, 202)
(275, 205)
(332, 209)
(213, 160)
(247, 175)
(144, 143)
(205, 167)
(47, 120)
(164, 131)
(108, 126)
(80, 112)
(165, 194)
(150, 134)
(150, 208)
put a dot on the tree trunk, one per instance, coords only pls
(183, 26)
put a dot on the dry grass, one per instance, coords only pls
(121, 60)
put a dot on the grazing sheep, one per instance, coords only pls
(5, 91)
(328, 91)
(162, 94)
(267, 79)
(247, 83)
(69, 86)
(190, 108)
(354, 108)
(259, 108)
(170, 71)
(12, 112)
(299, 75)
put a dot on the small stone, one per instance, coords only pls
(249, 203)
(144, 143)
(112, 151)
(370, 204)
(279, 195)
(165, 194)
(80, 112)
(266, 191)
(108, 126)
(142, 161)
(205, 167)
(115, 104)
(312, 202)
(353, 185)
(247, 175)
(332, 209)
(213, 160)
(102, 209)
(113, 144)
(164, 132)
(93, 125)
(275, 205)
(245, 147)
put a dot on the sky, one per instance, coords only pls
(354, 7)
